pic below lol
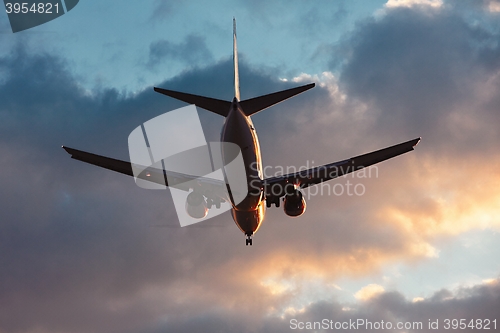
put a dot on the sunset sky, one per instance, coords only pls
(83, 249)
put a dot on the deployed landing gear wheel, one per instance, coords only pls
(249, 240)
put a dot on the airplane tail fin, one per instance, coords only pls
(235, 61)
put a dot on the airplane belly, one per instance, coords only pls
(239, 130)
(249, 221)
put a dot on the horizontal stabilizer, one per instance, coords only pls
(254, 105)
(211, 104)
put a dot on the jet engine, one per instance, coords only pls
(196, 206)
(294, 204)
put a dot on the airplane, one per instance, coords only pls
(239, 129)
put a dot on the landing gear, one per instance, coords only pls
(249, 240)
(269, 203)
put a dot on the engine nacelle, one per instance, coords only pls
(196, 206)
(294, 204)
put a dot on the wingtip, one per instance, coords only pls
(67, 149)
(417, 140)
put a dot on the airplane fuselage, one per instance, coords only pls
(238, 129)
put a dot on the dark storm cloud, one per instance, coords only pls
(426, 72)
(421, 73)
(192, 51)
(481, 301)
(67, 244)
(478, 302)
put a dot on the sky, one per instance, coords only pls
(83, 249)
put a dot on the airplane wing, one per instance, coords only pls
(275, 187)
(210, 188)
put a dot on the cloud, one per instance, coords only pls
(191, 52)
(494, 6)
(75, 238)
(390, 307)
(411, 3)
(432, 76)
(424, 75)
(369, 291)
(163, 9)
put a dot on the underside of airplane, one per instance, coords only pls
(205, 194)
